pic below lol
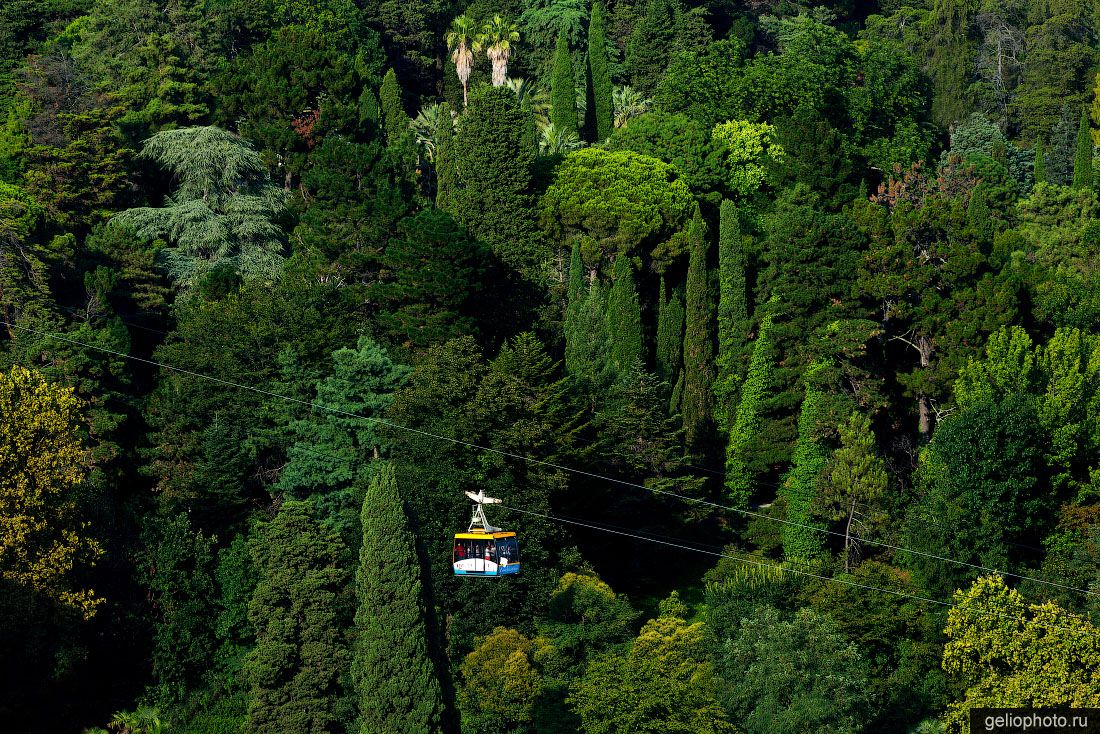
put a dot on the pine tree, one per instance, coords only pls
(733, 311)
(670, 334)
(739, 478)
(800, 541)
(396, 688)
(446, 177)
(297, 612)
(599, 118)
(331, 450)
(433, 270)
(698, 396)
(1082, 159)
(563, 92)
(651, 45)
(624, 317)
(853, 483)
(1040, 163)
(394, 118)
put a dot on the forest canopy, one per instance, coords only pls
(773, 325)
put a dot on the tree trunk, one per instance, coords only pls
(848, 537)
(924, 403)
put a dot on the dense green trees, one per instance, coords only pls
(394, 675)
(222, 211)
(837, 269)
(793, 675)
(563, 94)
(663, 683)
(494, 155)
(598, 117)
(300, 601)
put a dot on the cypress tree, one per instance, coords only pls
(394, 118)
(739, 480)
(698, 396)
(599, 119)
(446, 177)
(733, 310)
(495, 152)
(576, 274)
(624, 317)
(1082, 159)
(396, 688)
(1040, 163)
(799, 487)
(670, 334)
(587, 343)
(296, 611)
(563, 92)
(650, 47)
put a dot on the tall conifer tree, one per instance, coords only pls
(294, 669)
(670, 334)
(650, 47)
(1040, 162)
(495, 151)
(698, 396)
(563, 92)
(600, 115)
(1082, 159)
(733, 311)
(576, 274)
(397, 691)
(624, 317)
(739, 478)
(799, 489)
(394, 117)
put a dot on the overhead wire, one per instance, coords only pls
(819, 577)
(786, 567)
(540, 462)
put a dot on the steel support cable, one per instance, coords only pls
(541, 462)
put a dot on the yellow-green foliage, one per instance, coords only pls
(501, 681)
(750, 146)
(663, 684)
(1063, 375)
(1011, 654)
(41, 462)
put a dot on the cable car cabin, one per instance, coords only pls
(485, 554)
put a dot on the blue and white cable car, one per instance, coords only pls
(484, 550)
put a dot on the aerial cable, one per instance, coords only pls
(540, 462)
(784, 569)
(675, 542)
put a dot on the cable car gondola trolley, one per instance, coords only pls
(484, 550)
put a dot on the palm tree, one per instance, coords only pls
(460, 42)
(145, 720)
(427, 124)
(628, 104)
(497, 37)
(536, 98)
(554, 142)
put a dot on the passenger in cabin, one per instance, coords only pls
(460, 551)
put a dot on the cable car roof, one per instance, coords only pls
(483, 536)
